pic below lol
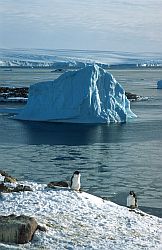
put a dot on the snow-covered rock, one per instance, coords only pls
(159, 84)
(2, 178)
(80, 221)
(89, 95)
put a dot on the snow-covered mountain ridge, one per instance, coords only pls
(76, 58)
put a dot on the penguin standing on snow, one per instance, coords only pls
(132, 200)
(75, 181)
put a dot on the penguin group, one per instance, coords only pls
(75, 185)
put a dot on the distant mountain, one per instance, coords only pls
(62, 59)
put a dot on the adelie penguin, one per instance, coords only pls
(132, 200)
(75, 181)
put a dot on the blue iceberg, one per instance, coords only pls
(88, 95)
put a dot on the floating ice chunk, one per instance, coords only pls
(159, 84)
(89, 95)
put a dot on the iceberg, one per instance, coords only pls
(159, 84)
(88, 95)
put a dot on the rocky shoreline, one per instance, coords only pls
(20, 95)
(14, 94)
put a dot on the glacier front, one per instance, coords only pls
(89, 95)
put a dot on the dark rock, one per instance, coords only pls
(131, 96)
(57, 70)
(21, 188)
(13, 94)
(6, 92)
(4, 189)
(18, 188)
(9, 179)
(3, 173)
(17, 229)
(54, 184)
(42, 228)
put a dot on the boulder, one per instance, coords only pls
(4, 188)
(54, 184)
(132, 96)
(9, 184)
(17, 229)
(9, 179)
(21, 188)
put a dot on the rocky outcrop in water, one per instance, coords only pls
(132, 97)
(21, 95)
(13, 94)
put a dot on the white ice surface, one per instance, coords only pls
(77, 220)
(89, 95)
(13, 99)
(64, 58)
(2, 178)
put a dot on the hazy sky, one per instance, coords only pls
(120, 25)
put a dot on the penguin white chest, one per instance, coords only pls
(75, 182)
(131, 201)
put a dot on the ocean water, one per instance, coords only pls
(113, 159)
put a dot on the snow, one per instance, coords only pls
(2, 178)
(42, 64)
(71, 58)
(78, 220)
(89, 95)
(14, 99)
(159, 84)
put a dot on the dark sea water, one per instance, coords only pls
(113, 159)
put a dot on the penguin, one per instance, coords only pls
(132, 200)
(75, 181)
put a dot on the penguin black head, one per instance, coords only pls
(132, 193)
(76, 173)
(132, 200)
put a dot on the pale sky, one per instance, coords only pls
(119, 25)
